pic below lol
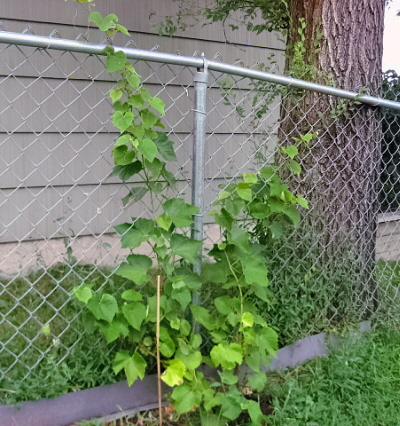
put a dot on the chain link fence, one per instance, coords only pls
(58, 204)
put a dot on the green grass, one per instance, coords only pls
(356, 385)
(388, 278)
(74, 359)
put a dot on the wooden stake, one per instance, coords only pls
(158, 350)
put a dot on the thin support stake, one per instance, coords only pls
(160, 416)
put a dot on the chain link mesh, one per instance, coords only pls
(58, 206)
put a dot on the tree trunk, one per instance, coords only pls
(340, 166)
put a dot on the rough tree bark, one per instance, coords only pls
(340, 166)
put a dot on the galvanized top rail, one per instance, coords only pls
(189, 61)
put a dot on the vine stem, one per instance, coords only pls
(158, 350)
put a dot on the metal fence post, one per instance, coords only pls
(199, 138)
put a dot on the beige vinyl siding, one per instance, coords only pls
(55, 130)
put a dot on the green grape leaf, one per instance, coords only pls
(149, 119)
(164, 333)
(164, 221)
(150, 133)
(180, 212)
(123, 107)
(127, 171)
(276, 229)
(122, 29)
(291, 151)
(192, 281)
(175, 322)
(147, 148)
(302, 201)
(292, 213)
(135, 195)
(135, 313)
(202, 316)
(115, 94)
(209, 403)
(173, 375)
(133, 80)
(224, 194)
(184, 347)
(134, 366)
(104, 24)
(249, 336)
(239, 237)
(267, 340)
(250, 178)
(131, 295)
(136, 269)
(152, 307)
(167, 348)
(253, 359)
(233, 319)
(222, 218)
(230, 407)
(261, 292)
(155, 167)
(122, 156)
(228, 377)
(136, 101)
(276, 205)
(169, 177)
(165, 146)
(89, 322)
(195, 340)
(156, 187)
(145, 94)
(185, 327)
(122, 120)
(217, 272)
(295, 167)
(123, 140)
(255, 413)
(227, 355)
(259, 210)
(185, 247)
(247, 319)
(258, 381)
(182, 295)
(277, 188)
(113, 330)
(290, 198)
(268, 172)
(83, 293)
(135, 234)
(185, 399)
(115, 61)
(218, 336)
(191, 360)
(158, 105)
(255, 271)
(223, 304)
(104, 307)
(245, 193)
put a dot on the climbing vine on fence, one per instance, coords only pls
(225, 333)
